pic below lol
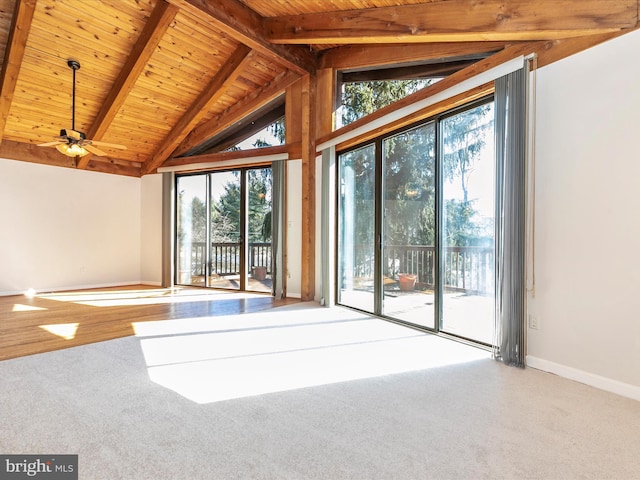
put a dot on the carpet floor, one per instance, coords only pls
(304, 392)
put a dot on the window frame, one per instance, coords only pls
(377, 141)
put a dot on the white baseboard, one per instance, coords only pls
(71, 287)
(9, 293)
(597, 381)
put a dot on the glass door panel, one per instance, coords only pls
(191, 230)
(468, 224)
(223, 229)
(259, 183)
(356, 229)
(408, 226)
(226, 230)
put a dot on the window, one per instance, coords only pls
(427, 193)
(363, 92)
(262, 128)
(270, 136)
(362, 98)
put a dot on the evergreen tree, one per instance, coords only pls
(409, 187)
(362, 98)
(409, 166)
(225, 213)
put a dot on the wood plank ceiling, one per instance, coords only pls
(162, 77)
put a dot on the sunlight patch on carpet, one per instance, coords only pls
(277, 351)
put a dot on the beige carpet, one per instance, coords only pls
(306, 392)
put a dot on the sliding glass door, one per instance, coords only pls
(258, 229)
(226, 248)
(191, 230)
(408, 226)
(416, 222)
(468, 192)
(356, 241)
(223, 229)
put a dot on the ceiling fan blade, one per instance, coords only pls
(94, 150)
(107, 145)
(72, 134)
(52, 144)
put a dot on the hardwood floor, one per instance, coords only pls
(46, 322)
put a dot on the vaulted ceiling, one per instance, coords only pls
(165, 76)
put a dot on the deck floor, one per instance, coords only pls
(232, 282)
(464, 315)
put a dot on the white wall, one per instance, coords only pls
(62, 228)
(151, 230)
(587, 222)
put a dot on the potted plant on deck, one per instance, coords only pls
(407, 281)
(260, 272)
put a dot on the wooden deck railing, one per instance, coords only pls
(468, 269)
(225, 257)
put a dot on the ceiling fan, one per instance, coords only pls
(74, 143)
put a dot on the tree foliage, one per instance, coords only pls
(409, 187)
(464, 136)
(225, 212)
(409, 164)
(362, 98)
(464, 143)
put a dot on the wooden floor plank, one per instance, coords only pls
(47, 322)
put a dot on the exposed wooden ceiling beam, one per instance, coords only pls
(432, 70)
(354, 57)
(247, 27)
(456, 21)
(115, 166)
(160, 19)
(28, 152)
(237, 112)
(20, 26)
(228, 74)
(217, 157)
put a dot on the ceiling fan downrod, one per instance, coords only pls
(73, 65)
(73, 143)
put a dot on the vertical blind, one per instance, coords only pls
(511, 147)
(277, 229)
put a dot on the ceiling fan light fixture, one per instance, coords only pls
(71, 150)
(72, 142)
